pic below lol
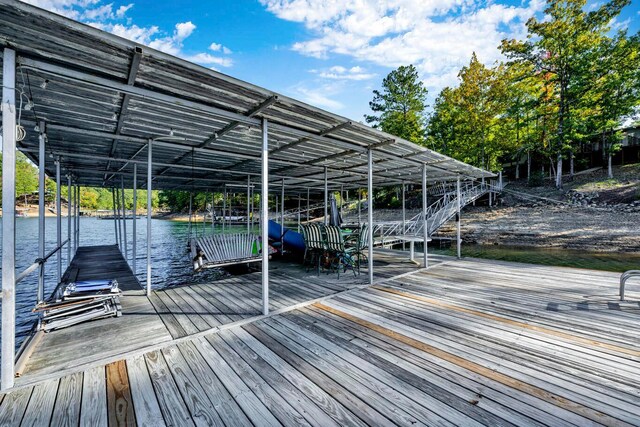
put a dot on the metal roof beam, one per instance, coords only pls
(256, 110)
(307, 138)
(133, 72)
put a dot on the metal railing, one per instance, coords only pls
(623, 279)
(38, 263)
(439, 212)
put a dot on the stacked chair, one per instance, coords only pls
(79, 302)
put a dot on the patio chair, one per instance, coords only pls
(315, 244)
(359, 244)
(335, 246)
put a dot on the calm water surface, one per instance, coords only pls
(170, 259)
(606, 261)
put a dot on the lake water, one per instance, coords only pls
(171, 261)
(606, 261)
(169, 255)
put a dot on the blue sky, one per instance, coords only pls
(330, 53)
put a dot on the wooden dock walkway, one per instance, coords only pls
(464, 343)
(182, 310)
(138, 327)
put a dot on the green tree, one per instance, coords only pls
(466, 122)
(561, 45)
(401, 104)
(26, 176)
(615, 88)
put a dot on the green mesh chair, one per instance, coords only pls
(359, 244)
(315, 245)
(340, 258)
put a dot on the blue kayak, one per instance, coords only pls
(293, 241)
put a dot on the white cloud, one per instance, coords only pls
(183, 30)
(338, 72)
(122, 10)
(142, 35)
(217, 47)
(99, 13)
(438, 36)
(208, 59)
(318, 95)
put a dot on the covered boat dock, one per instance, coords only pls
(449, 342)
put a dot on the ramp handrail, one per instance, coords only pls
(623, 279)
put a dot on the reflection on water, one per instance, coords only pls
(169, 256)
(607, 261)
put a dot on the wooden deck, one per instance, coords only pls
(138, 327)
(191, 309)
(183, 310)
(464, 343)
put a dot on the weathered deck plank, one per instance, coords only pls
(93, 412)
(465, 343)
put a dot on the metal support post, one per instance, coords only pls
(69, 244)
(264, 217)
(308, 205)
(78, 217)
(41, 207)
(58, 223)
(73, 219)
(404, 213)
(149, 188)
(224, 208)
(134, 248)
(252, 192)
(282, 218)
(341, 200)
(115, 217)
(370, 213)
(299, 210)
(124, 221)
(191, 213)
(248, 204)
(8, 218)
(359, 205)
(458, 240)
(326, 197)
(425, 227)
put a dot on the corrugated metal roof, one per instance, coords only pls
(103, 97)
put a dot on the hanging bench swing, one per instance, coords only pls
(219, 250)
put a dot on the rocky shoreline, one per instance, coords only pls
(592, 227)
